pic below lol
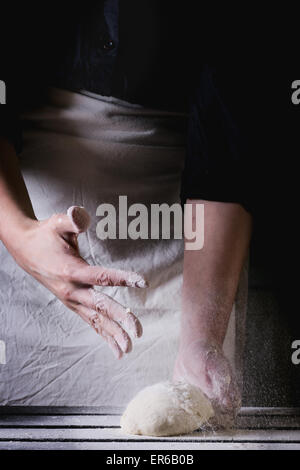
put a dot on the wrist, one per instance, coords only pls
(13, 228)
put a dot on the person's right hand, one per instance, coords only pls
(48, 251)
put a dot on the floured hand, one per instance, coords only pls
(204, 365)
(48, 250)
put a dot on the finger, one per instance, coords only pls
(109, 307)
(85, 314)
(100, 276)
(79, 217)
(100, 322)
(113, 329)
(62, 224)
(75, 221)
(113, 345)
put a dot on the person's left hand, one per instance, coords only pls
(204, 365)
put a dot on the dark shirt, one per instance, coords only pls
(160, 54)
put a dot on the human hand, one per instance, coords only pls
(204, 365)
(48, 251)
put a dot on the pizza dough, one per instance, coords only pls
(167, 409)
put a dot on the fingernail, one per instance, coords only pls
(79, 217)
(140, 330)
(117, 353)
(124, 343)
(132, 324)
(115, 348)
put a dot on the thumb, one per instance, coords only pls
(69, 225)
(79, 217)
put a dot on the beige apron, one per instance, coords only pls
(84, 149)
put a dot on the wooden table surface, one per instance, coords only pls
(35, 428)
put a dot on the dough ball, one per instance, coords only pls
(167, 409)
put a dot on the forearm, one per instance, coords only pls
(15, 206)
(211, 275)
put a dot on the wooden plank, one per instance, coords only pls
(61, 410)
(155, 446)
(70, 421)
(108, 410)
(269, 411)
(268, 422)
(60, 421)
(110, 434)
(273, 428)
(249, 419)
